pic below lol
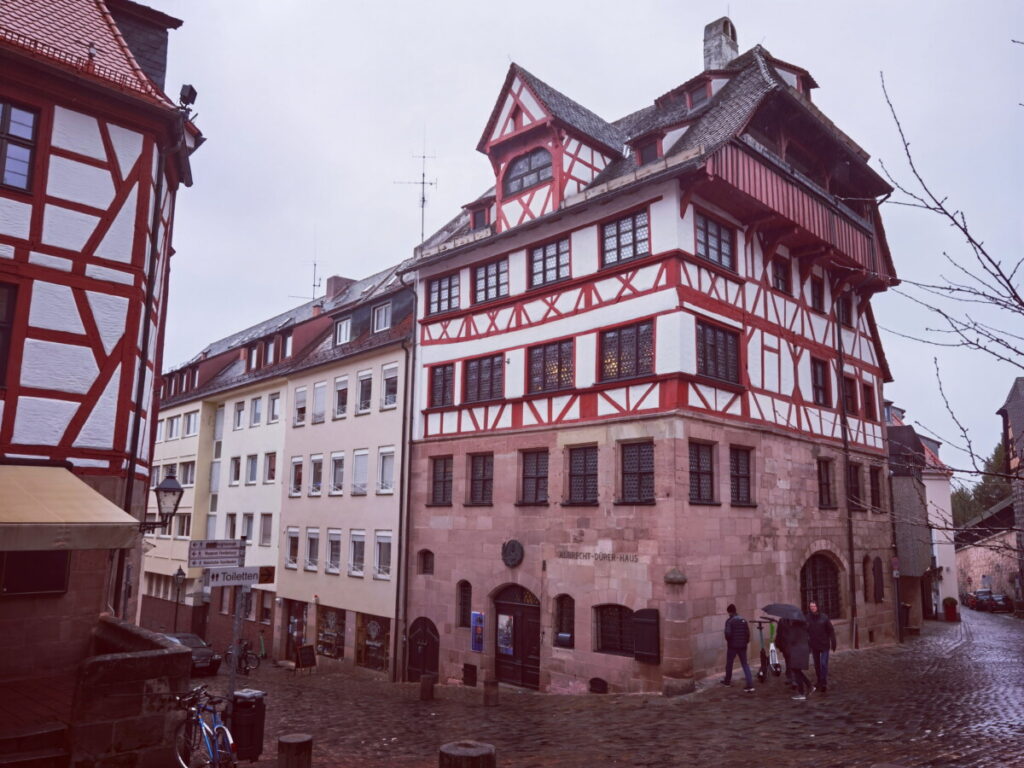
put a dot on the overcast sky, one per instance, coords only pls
(314, 110)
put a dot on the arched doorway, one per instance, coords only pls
(424, 647)
(517, 637)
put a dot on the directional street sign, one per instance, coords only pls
(214, 553)
(234, 577)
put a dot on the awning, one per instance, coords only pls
(46, 508)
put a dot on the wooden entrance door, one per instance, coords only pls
(424, 649)
(517, 637)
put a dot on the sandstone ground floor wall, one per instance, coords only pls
(990, 564)
(338, 635)
(588, 568)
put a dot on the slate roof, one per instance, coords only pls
(753, 78)
(61, 31)
(1013, 409)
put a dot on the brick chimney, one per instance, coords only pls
(337, 285)
(720, 46)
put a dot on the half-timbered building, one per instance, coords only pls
(648, 384)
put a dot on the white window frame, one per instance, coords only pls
(385, 486)
(293, 489)
(183, 525)
(273, 407)
(319, 405)
(364, 406)
(252, 468)
(255, 411)
(354, 537)
(359, 489)
(337, 488)
(248, 526)
(381, 571)
(343, 331)
(160, 431)
(187, 473)
(191, 424)
(382, 317)
(292, 534)
(333, 538)
(316, 487)
(266, 529)
(230, 525)
(388, 372)
(239, 420)
(341, 383)
(312, 557)
(299, 401)
(267, 464)
(173, 427)
(234, 470)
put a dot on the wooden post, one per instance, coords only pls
(467, 754)
(427, 681)
(490, 693)
(295, 750)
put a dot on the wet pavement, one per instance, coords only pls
(951, 698)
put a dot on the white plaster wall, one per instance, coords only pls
(78, 133)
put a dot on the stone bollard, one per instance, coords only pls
(490, 693)
(467, 754)
(295, 750)
(427, 681)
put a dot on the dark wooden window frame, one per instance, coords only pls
(854, 489)
(720, 359)
(702, 473)
(484, 379)
(442, 385)
(534, 172)
(553, 257)
(820, 379)
(565, 621)
(875, 486)
(463, 603)
(483, 290)
(636, 461)
(708, 229)
(868, 401)
(850, 395)
(782, 275)
(9, 139)
(741, 474)
(613, 629)
(826, 494)
(441, 473)
(559, 354)
(819, 583)
(818, 294)
(443, 294)
(534, 485)
(584, 480)
(481, 478)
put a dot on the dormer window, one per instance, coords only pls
(698, 95)
(527, 171)
(343, 331)
(479, 219)
(647, 152)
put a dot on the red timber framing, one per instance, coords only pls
(94, 287)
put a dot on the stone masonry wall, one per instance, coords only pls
(992, 557)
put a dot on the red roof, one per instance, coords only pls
(80, 35)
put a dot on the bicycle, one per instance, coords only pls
(202, 740)
(248, 660)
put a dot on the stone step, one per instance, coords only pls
(50, 757)
(49, 735)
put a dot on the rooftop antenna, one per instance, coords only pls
(316, 280)
(422, 184)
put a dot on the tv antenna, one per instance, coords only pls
(315, 285)
(422, 184)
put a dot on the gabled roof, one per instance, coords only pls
(559, 106)
(78, 35)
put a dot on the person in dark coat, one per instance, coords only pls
(799, 658)
(737, 637)
(822, 637)
(782, 643)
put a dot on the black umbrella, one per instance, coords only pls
(784, 611)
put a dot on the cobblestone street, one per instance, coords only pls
(952, 697)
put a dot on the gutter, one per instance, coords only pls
(400, 638)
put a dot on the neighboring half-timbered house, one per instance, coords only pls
(649, 381)
(92, 154)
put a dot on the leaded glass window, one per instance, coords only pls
(614, 629)
(17, 145)
(441, 480)
(442, 389)
(625, 239)
(491, 281)
(702, 473)
(627, 351)
(637, 472)
(527, 171)
(463, 603)
(549, 263)
(718, 352)
(535, 477)
(551, 366)
(485, 379)
(715, 241)
(583, 475)
(819, 583)
(481, 478)
(740, 475)
(444, 294)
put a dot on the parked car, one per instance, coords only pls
(1001, 604)
(977, 599)
(205, 661)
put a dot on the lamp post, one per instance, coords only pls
(168, 497)
(179, 579)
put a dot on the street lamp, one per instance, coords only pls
(179, 579)
(168, 497)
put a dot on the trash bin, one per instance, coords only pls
(904, 615)
(249, 713)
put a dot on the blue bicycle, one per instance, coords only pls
(203, 741)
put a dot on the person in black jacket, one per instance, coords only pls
(799, 658)
(822, 639)
(737, 637)
(782, 643)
